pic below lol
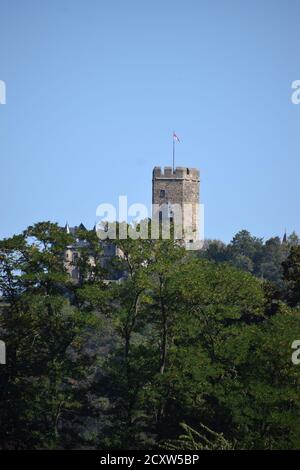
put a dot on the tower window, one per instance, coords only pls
(187, 171)
(162, 193)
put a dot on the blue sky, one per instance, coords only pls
(95, 88)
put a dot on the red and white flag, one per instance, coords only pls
(175, 137)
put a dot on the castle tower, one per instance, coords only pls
(175, 196)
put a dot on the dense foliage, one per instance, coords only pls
(199, 341)
(262, 258)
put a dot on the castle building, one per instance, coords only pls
(175, 197)
(72, 253)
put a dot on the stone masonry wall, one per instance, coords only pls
(181, 187)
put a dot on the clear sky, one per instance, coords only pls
(95, 88)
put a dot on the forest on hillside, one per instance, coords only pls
(190, 350)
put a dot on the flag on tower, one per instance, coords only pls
(175, 137)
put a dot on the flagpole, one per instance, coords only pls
(173, 152)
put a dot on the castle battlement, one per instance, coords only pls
(179, 172)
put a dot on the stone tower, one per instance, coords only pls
(175, 196)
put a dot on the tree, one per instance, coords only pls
(180, 339)
(44, 334)
(293, 240)
(270, 267)
(245, 250)
(195, 440)
(291, 275)
(262, 393)
(215, 250)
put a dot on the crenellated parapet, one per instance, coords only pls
(179, 172)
